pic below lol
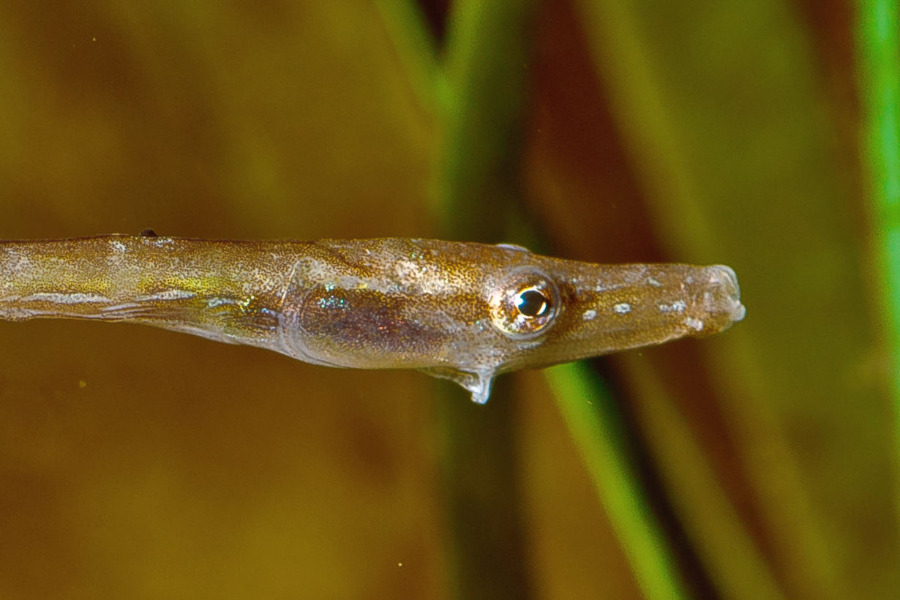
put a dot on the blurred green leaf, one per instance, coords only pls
(588, 411)
(879, 61)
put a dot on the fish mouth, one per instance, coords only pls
(727, 293)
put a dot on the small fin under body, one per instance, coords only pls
(478, 384)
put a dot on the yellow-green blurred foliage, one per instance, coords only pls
(137, 463)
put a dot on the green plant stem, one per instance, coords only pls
(416, 50)
(735, 564)
(479, 106)
(588, 411)
(878, 47)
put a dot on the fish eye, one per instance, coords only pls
(532, 303)
(524, 304)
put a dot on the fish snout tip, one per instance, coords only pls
(731, 291)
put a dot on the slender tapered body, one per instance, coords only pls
(459, 310)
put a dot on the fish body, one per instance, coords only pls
(458, 310)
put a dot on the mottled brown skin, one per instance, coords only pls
(458, 310)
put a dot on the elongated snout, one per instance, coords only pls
(721, 298)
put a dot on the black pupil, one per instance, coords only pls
(532, 303)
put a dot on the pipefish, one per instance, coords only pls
(457, 310)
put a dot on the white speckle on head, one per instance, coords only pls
(589, 314)
(622, 308)
(677, 306)
(695, 324)
(415, 276)
(118, 246)
(408, 270)
(654, 282)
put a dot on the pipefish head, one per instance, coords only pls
(544, 311)
(553, 310)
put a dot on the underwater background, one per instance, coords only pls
(760, 463)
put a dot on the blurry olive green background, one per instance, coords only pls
(137, 463)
